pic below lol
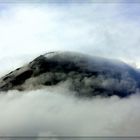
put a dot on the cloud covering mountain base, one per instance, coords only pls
(47, 113)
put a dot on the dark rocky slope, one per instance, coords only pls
(87, 76)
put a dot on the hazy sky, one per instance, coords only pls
(109, 29)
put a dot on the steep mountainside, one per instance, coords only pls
(87, 76)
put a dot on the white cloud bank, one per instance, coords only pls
(51, 113)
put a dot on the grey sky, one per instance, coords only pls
(109, 30)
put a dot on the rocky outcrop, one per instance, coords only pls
(87, 76)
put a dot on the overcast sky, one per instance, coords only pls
(109, 29)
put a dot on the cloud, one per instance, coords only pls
(98, 29)
(32, 29)
(44, 112)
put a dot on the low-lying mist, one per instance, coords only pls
(52, 112)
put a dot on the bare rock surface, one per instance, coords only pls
(87, 76)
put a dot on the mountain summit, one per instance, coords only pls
(87, 76)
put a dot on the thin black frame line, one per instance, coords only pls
(122, 137)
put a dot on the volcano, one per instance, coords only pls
(87, 76)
